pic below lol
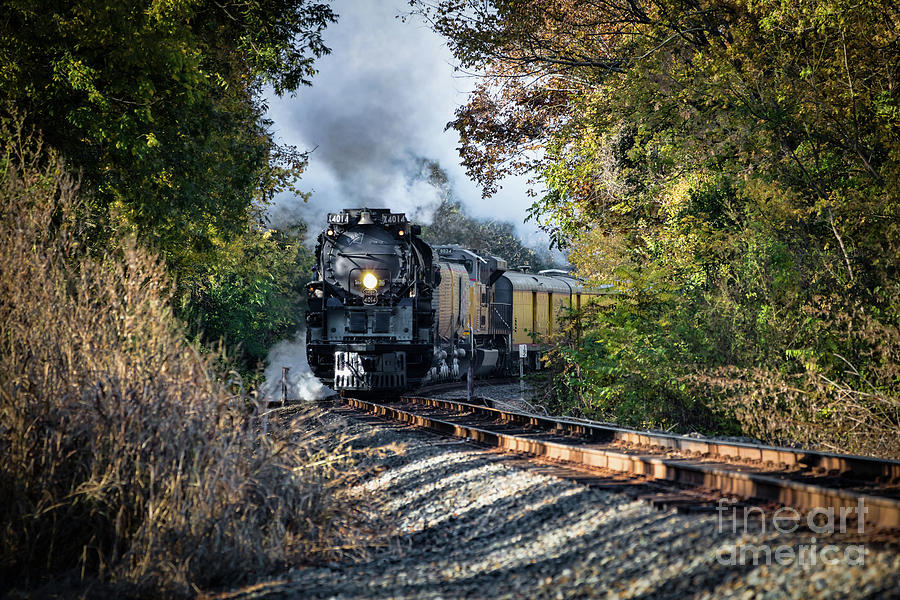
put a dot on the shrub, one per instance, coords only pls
(829, 378)
(841, 394)
(625, 360)
(124, 459)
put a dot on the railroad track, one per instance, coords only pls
(703, 470)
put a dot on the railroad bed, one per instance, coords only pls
(806, 480)
(471, 521)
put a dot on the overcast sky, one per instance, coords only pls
(377, 107)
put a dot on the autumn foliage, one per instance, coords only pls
(733, 169)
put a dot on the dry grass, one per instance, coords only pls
(809, 411)
(123, 458)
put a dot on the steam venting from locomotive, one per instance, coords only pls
(299, 380)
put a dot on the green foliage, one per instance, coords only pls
(626, 360)
(251, 296)
(158, 104)
(736, 168)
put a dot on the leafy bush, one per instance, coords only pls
(626, 360)
(839, 388)
(752, 353)
(249, 294)
(123, 457)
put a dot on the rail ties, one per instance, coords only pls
(805, 480)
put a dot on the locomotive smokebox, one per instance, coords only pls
(376, 279)
(367, 261)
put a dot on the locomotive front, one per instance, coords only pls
(370, 317)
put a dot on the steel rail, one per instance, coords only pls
(878, 511)
(842, 465)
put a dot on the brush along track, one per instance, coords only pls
(802, 479)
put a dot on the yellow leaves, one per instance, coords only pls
(164, 178)
(122, 216)
(600, 257)
(773, 201)
(170, 10)
(679, 192)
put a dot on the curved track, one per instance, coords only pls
(802, 479)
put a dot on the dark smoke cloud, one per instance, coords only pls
(375, 114)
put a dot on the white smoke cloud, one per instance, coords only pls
(301, 383)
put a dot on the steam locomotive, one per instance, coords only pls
(388, 312)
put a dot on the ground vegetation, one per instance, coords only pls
(131, 464)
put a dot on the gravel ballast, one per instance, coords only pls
(471, 522)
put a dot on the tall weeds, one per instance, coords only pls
(123, 459)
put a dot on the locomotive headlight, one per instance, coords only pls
(369, 281)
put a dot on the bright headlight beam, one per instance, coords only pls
(369, 281)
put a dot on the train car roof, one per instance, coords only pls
(579, 287)
(556, 284)
(537, 283)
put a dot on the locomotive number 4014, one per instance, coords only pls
(393, 219)
(343, 218)
(340, 218)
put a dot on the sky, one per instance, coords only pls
(377, 107)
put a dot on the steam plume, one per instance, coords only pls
(302, 384)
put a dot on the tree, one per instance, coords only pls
(159, 104)
(732, 167)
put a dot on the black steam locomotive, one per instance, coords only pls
(387, 312)
(369, 324)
